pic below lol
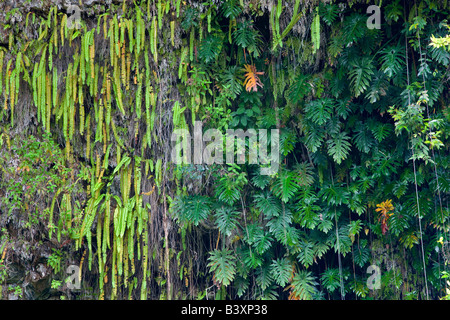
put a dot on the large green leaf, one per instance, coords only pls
(222, 263)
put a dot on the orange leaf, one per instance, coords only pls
(252, 80)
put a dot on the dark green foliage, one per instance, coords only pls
(210, 48)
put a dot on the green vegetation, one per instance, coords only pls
(86, 171)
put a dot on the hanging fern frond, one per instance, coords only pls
(319, 111)
(226, 219)
(282, 271)
(392, 60)
(360, 75)
(222, 263)
(248, 38)
(315, 31)
(267, 204)
(230, 81)
(302, 286)
(285, 186)
(263, 277)
(231, 9)
(339, 147)
(210, 48)
(299, 88)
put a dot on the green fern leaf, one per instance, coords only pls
(339, 147)
(285, 186)
(210, 48)
(281, 270)
(192, 209)
(361, 255)
(303, 285)
(299, 88)
(267, 204)
(231, 9)
(263, 242)
(226, 220)
(331, 279)
(223, 264)
(305, 253)
(227, 190)
(363, 138)
(264, 277)
(248, 38)
(319, 111)
(361, 75)
(251, 258)
(230, 81)
(392, 60)
(261, 180)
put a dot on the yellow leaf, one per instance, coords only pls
(252, 80)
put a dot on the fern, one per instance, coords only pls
(314, 137)
(305, 173)
(330, 279)
(392, 60)
(299, 88)
(354, 28)
(354, 228)
(193, 209)
(285, 186)
(251, 258)
(281, 270)
(361, 256)
(360, 75)
(363, 138)
(280, 227)
(263, 242)
(440, 55)
(303, 286)
(378, 88)
(230, 81)
(267, 204)
(287, 141)
(339, 147)
(305, 253)
(223, 265)
(328, 12)
(263, 277)
(190, 18)
(210, 48)
(307, 209)
(231, 9)
(227, 190)
(380, 130)
(261, 180)
(319, 111)
(226, 219)
(248, 38)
